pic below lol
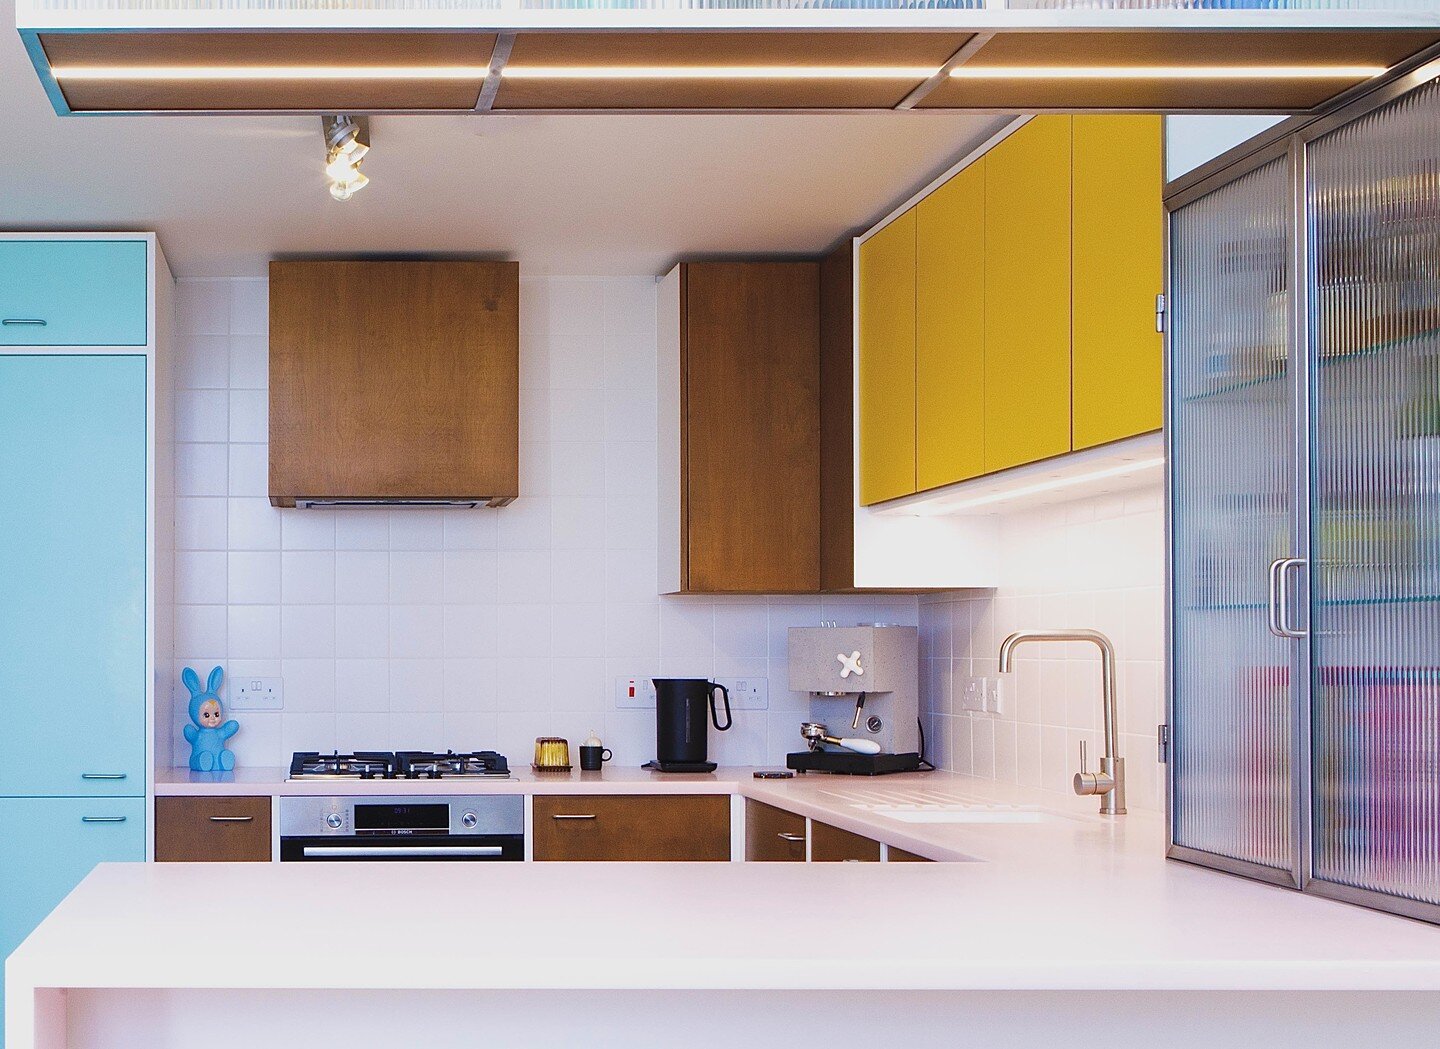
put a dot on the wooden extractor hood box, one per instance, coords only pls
(394, 383)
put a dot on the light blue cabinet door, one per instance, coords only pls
(47, 845)
(72, 293)
(72, 575)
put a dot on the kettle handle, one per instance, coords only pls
(714, 717)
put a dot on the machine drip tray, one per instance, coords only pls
(851, 764)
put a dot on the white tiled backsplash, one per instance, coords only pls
(1098, 563)
(463, 628)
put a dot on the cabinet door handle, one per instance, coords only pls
(33, 321)
(576, 816)
(785, 836)
(232, 819)
(102, 775)
(102, 819)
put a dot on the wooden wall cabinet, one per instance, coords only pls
(212, 829)
(740, 428)
(672, 827)
(394, 381)
(773, 835)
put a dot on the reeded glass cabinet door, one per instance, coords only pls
(1232, 446)
(1375, 748)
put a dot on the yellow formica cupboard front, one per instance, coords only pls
(887, 362)
(1118, 249)
(950, 331)
(1027, 295)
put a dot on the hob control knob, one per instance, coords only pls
(468, 820)
(333, 821)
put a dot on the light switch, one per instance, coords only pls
(747, 693)
(258, 693)
(634, 692)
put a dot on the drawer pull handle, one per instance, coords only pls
(574, 816)
(232, 819)
(33, 321)
(102, 775)
(785, 836)
(102, 819)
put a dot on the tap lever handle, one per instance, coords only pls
(1084, 758)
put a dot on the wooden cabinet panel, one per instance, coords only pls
(214, 829)
(902, 856)
(832, 845)
(837, 419)
(950, 331)
(394, 380)
(632, 827)
(1027, 295)
(750, 379)
(1118, 253)
(887, 362)
(773, 835)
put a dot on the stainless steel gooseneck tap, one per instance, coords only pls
(1109, 782)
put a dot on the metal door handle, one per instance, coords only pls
(355, 852)
(35, 321)
(102, 775)
(1280, 625)
(784, 836)
(577, 816)
(1272, 598)
(102, 819)
(231, 819)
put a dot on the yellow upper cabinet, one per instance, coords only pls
(1117, 273)
(950, 331)
(1027, 294)
(887, 362)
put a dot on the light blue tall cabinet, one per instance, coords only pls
(85, 534)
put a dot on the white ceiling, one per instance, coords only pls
(563, 194)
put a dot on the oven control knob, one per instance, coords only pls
(333, 821)
(468, 820)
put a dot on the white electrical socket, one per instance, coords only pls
(997, 694)
(972, 696)
(634, 692)
(258, 693)
(747, 693)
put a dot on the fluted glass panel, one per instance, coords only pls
(1232, 416)
(1375, 187)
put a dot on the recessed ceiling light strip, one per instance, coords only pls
(969, 72)
(270, 72)
(717, 72)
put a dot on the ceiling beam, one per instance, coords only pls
(968, 51)
(504, 42)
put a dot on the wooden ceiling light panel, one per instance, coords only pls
(291, 50)
(1172, 48)
(804, 49)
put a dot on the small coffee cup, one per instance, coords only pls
(591, 758)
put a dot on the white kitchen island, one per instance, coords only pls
(1062, 932)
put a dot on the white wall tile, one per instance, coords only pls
(474, 628)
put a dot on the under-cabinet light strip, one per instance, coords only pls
(946, 506)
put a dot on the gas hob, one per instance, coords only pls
(404, 764)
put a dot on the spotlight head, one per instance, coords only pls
(346, 143)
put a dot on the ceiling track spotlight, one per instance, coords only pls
(347, 140)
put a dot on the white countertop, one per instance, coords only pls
(613, 779)
(1076, 902)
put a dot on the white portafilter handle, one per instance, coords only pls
(816, 734)
(859, 746)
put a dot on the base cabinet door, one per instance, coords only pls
(47, 845)
(773, 835)
(832, 845)
(641, 827)
(904, 856)
(212, 830)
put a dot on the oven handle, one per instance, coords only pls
(402, 851)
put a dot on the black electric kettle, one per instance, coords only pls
(680, 728)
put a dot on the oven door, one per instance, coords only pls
(410, 847)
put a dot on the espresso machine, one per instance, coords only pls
(864, 685)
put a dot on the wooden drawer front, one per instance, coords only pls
(832, 845)
(643, 827)
(901, 856)
(73, 293)
(212, 830)
(773, 835)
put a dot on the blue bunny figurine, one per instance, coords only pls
(207, 735)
